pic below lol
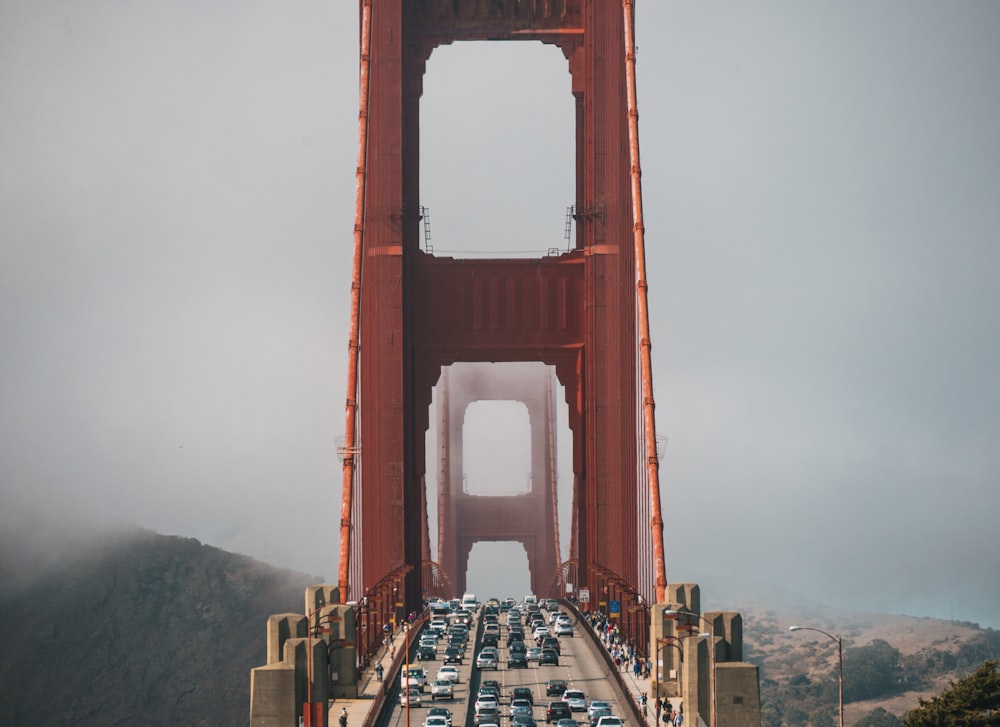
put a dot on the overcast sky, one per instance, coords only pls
(822, 190)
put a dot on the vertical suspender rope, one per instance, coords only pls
(350, 450)
(553, 466)
(645, 346)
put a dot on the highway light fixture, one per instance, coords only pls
(840, 660)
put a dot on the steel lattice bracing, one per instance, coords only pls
(577, 312)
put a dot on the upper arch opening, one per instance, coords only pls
(497, 158)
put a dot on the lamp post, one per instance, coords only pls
(840, 660)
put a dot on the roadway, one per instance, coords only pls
(581, 665)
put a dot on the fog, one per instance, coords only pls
(821, 186)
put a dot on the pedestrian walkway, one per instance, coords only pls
(368, 685)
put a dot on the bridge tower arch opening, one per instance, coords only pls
(496, 163)
(497, 479)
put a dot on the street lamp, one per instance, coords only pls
(840, 660)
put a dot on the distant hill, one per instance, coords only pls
(798, 670)
(134, 629)
(145, 629)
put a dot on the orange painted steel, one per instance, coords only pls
(645, 344)
(350, 449)
(577, 312)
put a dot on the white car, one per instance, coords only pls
(596, 705)
(486, 700)
(541, 632)
(609, 721)
(564, 629)
(450, 673)
(576, 700)
(442, 712)
(436, 720)
(486, 660)
(442, 689)
(410, 697)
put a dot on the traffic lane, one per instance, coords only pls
(415, 715)
(580, 665)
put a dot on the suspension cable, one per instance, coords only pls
(350, 450)
(645, 346)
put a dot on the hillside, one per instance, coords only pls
(798, 670)
(135, 628)
(140, 628)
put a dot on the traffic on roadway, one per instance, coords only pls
(504, 663)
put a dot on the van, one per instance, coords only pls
(469, 601)
(413, 676)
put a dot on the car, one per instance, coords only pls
(557, 711)
(487, 714)
(410, 697)
(567, 723)
(486, 700)
(540, 633)
(487, 660)
(442, 689)
(551, 642)
(564, 629)
(450, 673)
(436, 721)
(516, 660)
(597, 704)
(555, 687)
(520, 707)
(489, 691)
(442, 712)
(492, 685)
(596, 716)
(491, 640)
(438, 625)
(426, 653)
(533, 653)
(522, 720)
(517, 646)
(452, 655)
(609, 721)
(575, 699)
(550, 657)
(522, 693)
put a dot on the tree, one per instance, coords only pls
(871, 671)
(973, 701)
(878, 717)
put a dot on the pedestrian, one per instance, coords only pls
(343, 717)
(378, 671)
(636, 669)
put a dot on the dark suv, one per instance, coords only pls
(522, 693)
(555, 687)
(557, 711)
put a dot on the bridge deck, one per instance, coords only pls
(582, 664)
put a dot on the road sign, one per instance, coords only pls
(614, 608)
(584, 595)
